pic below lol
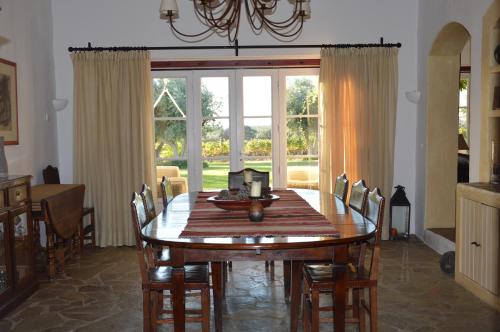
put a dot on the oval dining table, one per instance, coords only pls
(166, 228)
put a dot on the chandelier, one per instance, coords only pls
(223, 17)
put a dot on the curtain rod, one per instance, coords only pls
(236, 47)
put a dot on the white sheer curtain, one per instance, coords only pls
(358, 98)
(113, 136)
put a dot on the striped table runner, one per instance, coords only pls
(290, 216)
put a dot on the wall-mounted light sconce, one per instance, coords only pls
(413, 96)
(3, 40)
(59, 104)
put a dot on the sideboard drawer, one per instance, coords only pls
(18, 194)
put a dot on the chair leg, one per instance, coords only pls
(92, 222)
(362, 313)
(146, 310)
(373, 309)
(205, 307)
(267, 266)
(315, 310)
(230, 265)
(271, 274)
(305, 310)
(81, 235)
(154, 311)
(355, 303)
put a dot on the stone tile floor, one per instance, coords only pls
(101, 292)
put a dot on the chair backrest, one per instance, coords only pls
(375, 214)
(357, 199)
(64, 211)
(375, 211)
(51, 175)
(341, 187)
(149, 202)
(166, 191)
(144, 252)
(236, 179)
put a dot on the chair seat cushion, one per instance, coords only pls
(194, 274)
(322, 275)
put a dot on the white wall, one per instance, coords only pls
(433, 15)
(28, 25)
(136, 22)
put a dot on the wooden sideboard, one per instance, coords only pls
(17, 256)
(477, 257)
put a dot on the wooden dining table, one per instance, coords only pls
(351, 227)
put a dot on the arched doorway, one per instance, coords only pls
(442, 126)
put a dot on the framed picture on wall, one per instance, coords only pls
(9, 124)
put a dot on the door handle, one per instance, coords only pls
(475, 243)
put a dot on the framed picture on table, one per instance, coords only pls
(9, 123)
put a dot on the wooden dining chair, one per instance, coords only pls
(162, 254)
(166, 191)
(157, 279)
(320, 279)
(359, 193)
(87, 233)
(149, 202)
(236, 179)
(341, 187)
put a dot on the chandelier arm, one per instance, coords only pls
(185, 34)
(285, 23)
(251, 16)
(237, 26)
(291, 33)
(220, 21)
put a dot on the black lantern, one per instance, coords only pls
(400, 215)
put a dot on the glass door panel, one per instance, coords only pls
(302, 139)
(4, 257)
(257, 151)
(170, 115)
(22, 247)
(215, 132)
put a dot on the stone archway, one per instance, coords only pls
(442, 124)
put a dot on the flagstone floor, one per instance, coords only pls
(101, 292)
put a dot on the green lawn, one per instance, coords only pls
(215, 175)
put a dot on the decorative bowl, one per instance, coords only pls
(243, 204)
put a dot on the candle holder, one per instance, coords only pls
(256, 210)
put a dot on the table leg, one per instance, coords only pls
(217, 281)
(297, 267)
(340, 295)
(178, 291)
(287, 271)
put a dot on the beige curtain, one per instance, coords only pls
(113, 136)
(358, 97)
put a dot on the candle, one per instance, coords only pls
(256, 189)
(248, 176)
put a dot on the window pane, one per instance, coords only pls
(302, 136)
(302, 172)
(257, 149)
(170, 144)
(257, 94)
(215, 96)
(257, 137)
(169, 96)
(215, 139)
(302, 95)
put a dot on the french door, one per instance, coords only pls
(211, 122)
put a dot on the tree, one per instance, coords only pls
(169, 95)
(302, 99)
